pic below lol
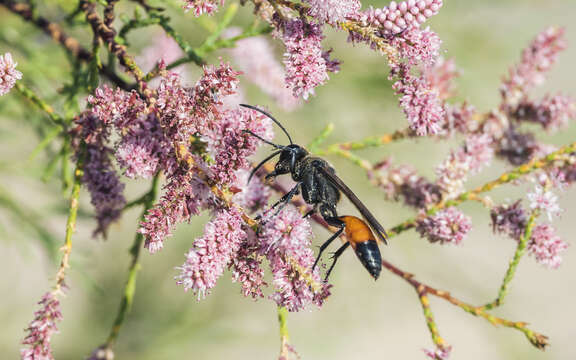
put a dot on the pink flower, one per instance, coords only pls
(285, 241)
(305, 66)
(546, 246)
(396, 17)
(200, 7)
(536, 60)
(254, 56)
(253, 195)
(442, 353)
(230, 146)
(421, 103)
(41, 329)
(448, 226)
(184, 196)
(544, 201)
(418, 46)
(207, 260)
(467, 160)
(8, 73)
(333, 11)
(247, 269)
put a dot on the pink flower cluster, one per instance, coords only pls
(537, 59)
(397, 17)
(41, 329)
(200, 7)
(333, 11)
(8, 73)
(469, 159)
(544, 201)
(211, 253)
(285, 241)
(420, 102)
(305, 65)
(448, 226)
(546, 246)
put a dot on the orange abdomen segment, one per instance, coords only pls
(357, 231)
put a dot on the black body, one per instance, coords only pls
(369, 255)
(321, 188)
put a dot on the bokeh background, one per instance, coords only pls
(363, 318)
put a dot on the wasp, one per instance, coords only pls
(321, 188)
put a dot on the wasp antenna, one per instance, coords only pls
(262, 163)
(264, 140)
(271, 118)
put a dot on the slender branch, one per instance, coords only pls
(429, 316)
(108, 35)
(285, 348)
(130, 287)
(41, 104)
(70, 44)
(538, 340)
(372, 141)
(70, 226)
(318, 140)
(503, 179)
(520, 250)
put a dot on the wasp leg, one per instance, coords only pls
(310, 213)
(335, 257)
(284, 200)
(326, 244)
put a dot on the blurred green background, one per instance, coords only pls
(362, 318)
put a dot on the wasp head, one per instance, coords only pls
(289, 158)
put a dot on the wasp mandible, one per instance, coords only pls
(321, 188)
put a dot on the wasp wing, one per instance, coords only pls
(366, 214)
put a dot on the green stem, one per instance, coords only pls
(371, 141)
(318, 140)
(130, 287)
(285, 349)
(70, 224)
(520, 250)
(430, 322)
(41, 104)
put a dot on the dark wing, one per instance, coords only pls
(366, 214)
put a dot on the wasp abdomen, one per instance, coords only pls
(369, 256)
(364, 244)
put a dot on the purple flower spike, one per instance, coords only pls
(41, 329)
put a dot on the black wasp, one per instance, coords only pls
(321, 188)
